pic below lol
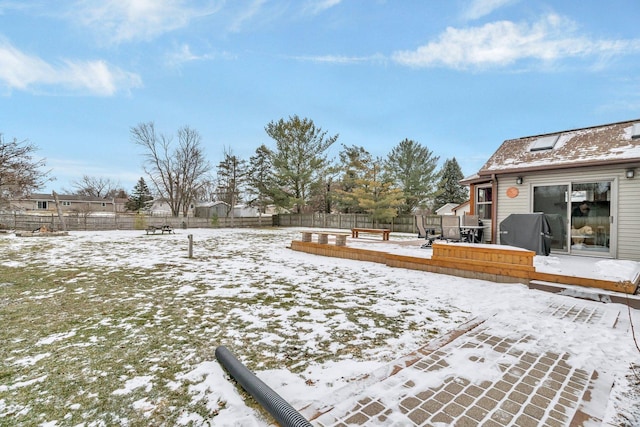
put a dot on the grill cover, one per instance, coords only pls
(527, 231)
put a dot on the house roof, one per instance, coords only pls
(461, 206)
(211, 204)
(446, 208)
(66, 198)
(598, 145)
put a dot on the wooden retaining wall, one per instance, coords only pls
(499, 264)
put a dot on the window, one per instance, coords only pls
(484, 202)
(544, 143)
(66, 203)
(42, 205)
(104, 204)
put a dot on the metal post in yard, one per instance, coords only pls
(190, 236)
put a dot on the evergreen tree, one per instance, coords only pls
(412, 167)
(140, 197)
(377, 195)
(449, 188)
(299, 160)
(232, 175)
(260, 180)
(354, 164)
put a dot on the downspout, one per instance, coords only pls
(472, 199)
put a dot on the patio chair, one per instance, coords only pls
(450, 231)
(431, 233)
(469, 234)
(451, 228)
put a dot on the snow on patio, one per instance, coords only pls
(307, 325)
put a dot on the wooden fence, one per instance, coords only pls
(124, 222)
(402, 224)
(29, 222)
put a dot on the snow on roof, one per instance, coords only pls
(605, 144)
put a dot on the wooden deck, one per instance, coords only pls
(496, 264)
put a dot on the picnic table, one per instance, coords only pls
(384, 231)
(163, 228)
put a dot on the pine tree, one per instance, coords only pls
(232, 176)
(139, 197)
(299, 159)
(411, 166)
(354, 163)
(377, 195)
(260, 179)
(449, 188)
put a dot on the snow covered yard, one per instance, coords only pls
(103, 328)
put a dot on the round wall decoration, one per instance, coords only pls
(512, 192)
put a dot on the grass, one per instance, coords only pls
(78, 338)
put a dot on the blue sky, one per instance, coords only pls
(458, 76)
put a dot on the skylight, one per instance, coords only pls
(635, 132)
(544, 143)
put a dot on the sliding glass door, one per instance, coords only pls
(580, 216)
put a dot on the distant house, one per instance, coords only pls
(160, 207)
(592, 169)
(245, 211)
(446, 209)
(462, 209)
(217, 209)
(69, 204)
(221, 210)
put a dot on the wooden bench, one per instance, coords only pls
(165, 228)
(323, 237)
(384, 231)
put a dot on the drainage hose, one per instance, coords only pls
(279, 409)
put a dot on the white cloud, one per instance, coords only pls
(318, 6)
(184, 54)
(246, 14)
(19, 70)
(341, 59)
(120, 21)
(479, 8)
(505, 42)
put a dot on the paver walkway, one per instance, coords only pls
(437, 384)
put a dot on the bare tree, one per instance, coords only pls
(20, 172)
(177, 174)
(99, 187)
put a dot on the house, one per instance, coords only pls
(446, 209)
(221, 209)
(217, 209)
(69, 204)
(462, 209)
(584, 180)
(161, 207)
(245, 211)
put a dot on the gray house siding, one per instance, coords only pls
(624, 231)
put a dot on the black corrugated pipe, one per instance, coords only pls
(279, 409)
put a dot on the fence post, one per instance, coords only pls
(190, 236)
